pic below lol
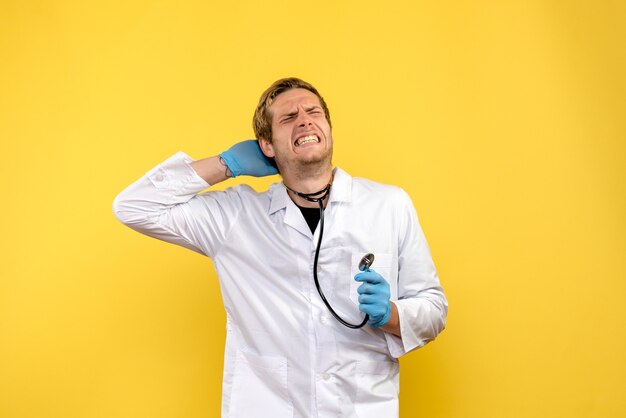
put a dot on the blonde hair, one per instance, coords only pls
(262, 120)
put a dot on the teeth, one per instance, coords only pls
(306, 140)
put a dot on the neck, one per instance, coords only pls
(308, 184)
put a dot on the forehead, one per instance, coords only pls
(293, 98)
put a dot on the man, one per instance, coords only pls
(286, 355)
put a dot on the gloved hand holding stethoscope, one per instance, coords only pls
(374, 297)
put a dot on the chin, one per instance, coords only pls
(304, 162)
(317, 159)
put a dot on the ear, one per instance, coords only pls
(266, 148)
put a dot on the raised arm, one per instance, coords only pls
(213, 170)
(165, 204)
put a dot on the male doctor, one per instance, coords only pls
(286, 355)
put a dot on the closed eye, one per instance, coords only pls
(314, 110)
(288, 117)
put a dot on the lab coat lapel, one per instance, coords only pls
(342, 187)
(293, 217)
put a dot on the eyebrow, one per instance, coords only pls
(295, 112)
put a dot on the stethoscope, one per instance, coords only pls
(364, 264)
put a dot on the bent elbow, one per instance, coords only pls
(439, 314)
(118, 209)
(429, 318)
(125, 212)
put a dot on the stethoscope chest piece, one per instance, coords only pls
(366, 262)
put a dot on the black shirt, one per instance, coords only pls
(311, 216)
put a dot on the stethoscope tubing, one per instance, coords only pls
(317, 283)
(320, 201)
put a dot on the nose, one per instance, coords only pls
(304, 119)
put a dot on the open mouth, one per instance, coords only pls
(306, 140)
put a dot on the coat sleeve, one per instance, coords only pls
(422, 305)
(165, 204)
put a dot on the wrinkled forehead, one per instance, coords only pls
(290, 100)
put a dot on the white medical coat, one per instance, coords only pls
(286, 356)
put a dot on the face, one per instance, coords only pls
(301, 134)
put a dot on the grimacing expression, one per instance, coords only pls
(301, 134)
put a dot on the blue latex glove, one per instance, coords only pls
(246, 159)
(374, 297)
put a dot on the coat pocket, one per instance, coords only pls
(377, 389)
(260, 386)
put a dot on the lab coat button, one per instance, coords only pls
(319, 269)
(323, 319)
(325, 376)
(159, 177)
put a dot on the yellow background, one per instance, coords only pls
(504, 120)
